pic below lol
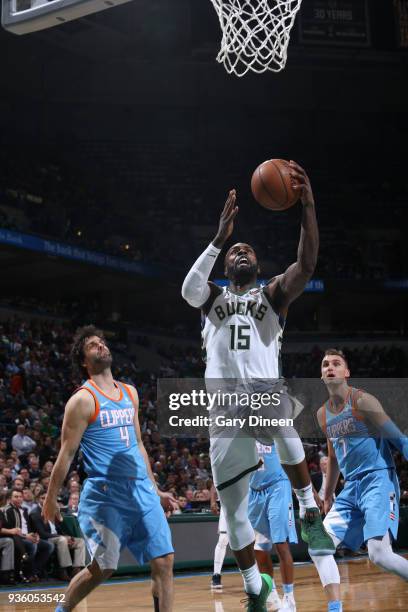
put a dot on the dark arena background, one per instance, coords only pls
(120, 137)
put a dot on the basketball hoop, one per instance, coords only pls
(255, 34)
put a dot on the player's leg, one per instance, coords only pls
(162, 582)
(293, 461)
(380, 552)
(219, 552)
(344, 523)
(103, 525)
(379, 501)
(282, 530)
(263, 549)
(292, 457)
(150, 541)
(288, 445)
(330, 578)
(287, 573)
(234, 500)
(82, 584)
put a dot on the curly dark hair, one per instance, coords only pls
(77, 349)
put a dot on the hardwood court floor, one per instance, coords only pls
(364, 588)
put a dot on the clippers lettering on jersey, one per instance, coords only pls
(115, 418)
(342, 428)
(242, 308)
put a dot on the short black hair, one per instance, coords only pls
(334, 351)
(77, 349)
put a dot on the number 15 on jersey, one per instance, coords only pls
(240, 338)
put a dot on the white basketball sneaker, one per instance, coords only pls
(288, 603)
(273, 603)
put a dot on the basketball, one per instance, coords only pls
(271, 185)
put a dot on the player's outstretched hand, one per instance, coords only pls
(226, 225)
(50, 510)
(301, 183)
(169, 503)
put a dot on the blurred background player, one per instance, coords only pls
(242, 338)
(120, 505)
(359, 434)
(222, 543)
(271, 514)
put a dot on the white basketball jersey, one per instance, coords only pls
(242, 336)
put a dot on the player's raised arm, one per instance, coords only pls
(78, 412)
(289, 285)
(196, 289)
(371, 409)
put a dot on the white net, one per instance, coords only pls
(255, 33)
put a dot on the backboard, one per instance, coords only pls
(24, 16)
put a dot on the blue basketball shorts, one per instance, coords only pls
(270, 512)
(115, 515)
(366, 508)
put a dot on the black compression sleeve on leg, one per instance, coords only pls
(156, 604)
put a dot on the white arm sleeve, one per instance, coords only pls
(195, 288)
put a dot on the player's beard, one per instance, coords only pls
(102, 362)
(242, 275)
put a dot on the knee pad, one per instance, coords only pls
(290, 450)
(327, 569)
(378, 551)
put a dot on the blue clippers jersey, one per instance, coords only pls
(270, 472)
(109, 444)
(359, 449)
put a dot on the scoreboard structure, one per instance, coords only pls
(335, 22)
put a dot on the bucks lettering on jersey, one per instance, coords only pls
(358, 448)
(270, 472)
(109, 444)
(242, 336)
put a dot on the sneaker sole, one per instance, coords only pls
(321, 552)
(216, 588)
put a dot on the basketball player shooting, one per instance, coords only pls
(120, 504)
(242, 337)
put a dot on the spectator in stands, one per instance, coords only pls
(28, 545)
(6, 556)
(73, 502)
(25, 475)
(37, 489)
(201, 493)
(28, 500)
(7, 475)
(22, 443)
(3, 484)
(12, 367)
(37, 398)
(18, 484)
(47, 450)
(73, 486)
(34, 466)
(64, 544)
(47, 469)
(202, 471)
